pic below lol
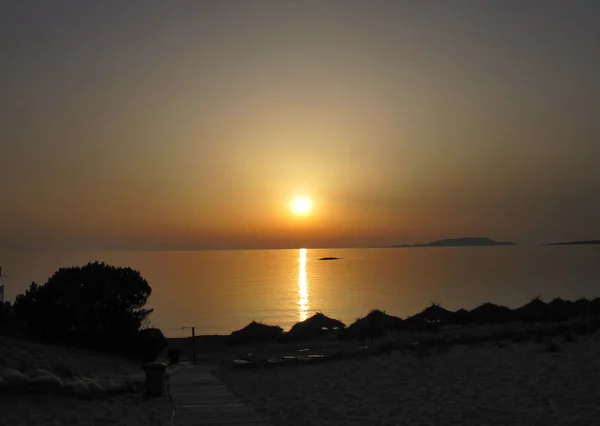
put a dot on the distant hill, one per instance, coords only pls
(461, 242)
(575, 243)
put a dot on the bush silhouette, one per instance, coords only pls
(5, 312)
(150, 343)
(96, 306)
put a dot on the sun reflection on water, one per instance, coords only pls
(303, 303)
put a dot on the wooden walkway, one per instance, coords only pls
(200, 399)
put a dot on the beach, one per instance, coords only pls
(26, 408)
(495, 383)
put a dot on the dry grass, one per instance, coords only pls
(26, 355)
(23, 409)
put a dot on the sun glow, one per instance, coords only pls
(301, 206)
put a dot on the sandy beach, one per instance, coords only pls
(493, 384)
(24, 408)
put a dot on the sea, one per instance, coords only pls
(220, 291)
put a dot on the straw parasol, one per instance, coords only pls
(314, 326)
(374, 324)
(534, 311)
(490, 313)
(560, 310)
(595, 306)
(256, 331)
(435, 315)
(581, 308)
(462, 316)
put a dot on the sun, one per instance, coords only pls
(301, 206)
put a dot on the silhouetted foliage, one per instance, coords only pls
(314, 326)
(256, 332)
(97, 306)
(174, 356)
(150, 343)
(7, 320)
(5, 312)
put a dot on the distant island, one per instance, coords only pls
(576, 243)
(461, 242)
(330, 258)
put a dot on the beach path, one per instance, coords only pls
(201, 399)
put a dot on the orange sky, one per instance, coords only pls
(192, 126)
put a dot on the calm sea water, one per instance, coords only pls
(220, 291)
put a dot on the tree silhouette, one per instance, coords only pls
(97, 305)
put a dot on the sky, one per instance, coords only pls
(192, 124)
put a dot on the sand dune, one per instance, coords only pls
(518, 384)
(24, 355)
(21, 408)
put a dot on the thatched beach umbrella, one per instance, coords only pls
(374, 324)
(389, 322)
(560, 310)
(489, 313)
(314, 326)
(595, 306)
(434, 315)
(256, 332)
(581, 308)
(534, 311)
(462, 316)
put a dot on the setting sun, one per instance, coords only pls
(301, 206)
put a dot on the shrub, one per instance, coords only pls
(5, 312)
(8, 324)
(174, 356)
(150, 343)
(97, 306)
